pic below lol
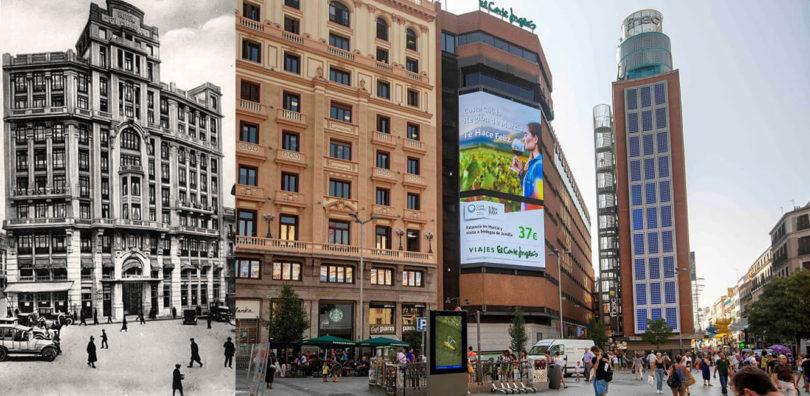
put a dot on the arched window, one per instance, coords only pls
(382, 29)
(410, 39)
(130, 140)
(338, 13)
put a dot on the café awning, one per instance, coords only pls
(37, 287)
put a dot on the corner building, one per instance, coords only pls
(112, 177)
(651, 183)
(482, 53)
(336, 118)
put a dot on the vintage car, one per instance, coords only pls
(24, 340)
(220, 313)
(189, 316)
(28, 319)
(48, 317)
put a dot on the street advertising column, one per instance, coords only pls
(500, 183)
(447, 357)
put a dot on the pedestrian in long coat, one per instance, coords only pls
(195, 354)
(177, 380)
(124, 325)
(140, 317)
(95, 316)
(84, 319)
(208, 319)
(104, 344)
(230, 349)
(91, 353)
(174, 313)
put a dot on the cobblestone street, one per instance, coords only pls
(139, 362)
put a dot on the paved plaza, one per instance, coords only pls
(139, 362)
(622, 385)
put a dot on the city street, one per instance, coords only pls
(139, 362)
(623, 384)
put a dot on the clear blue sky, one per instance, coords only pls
(745, 80)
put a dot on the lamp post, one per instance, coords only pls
(269, 219)
(400, 233)
(429, 237)
(556, 253)
(361, 222)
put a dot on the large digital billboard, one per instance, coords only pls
(448, 342)
(500, 183)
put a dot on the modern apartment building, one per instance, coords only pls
(790, 242)
(113, 186)
(503, 68)
(610, 291)
(337, 155)
(651, 182)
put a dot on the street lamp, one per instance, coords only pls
(357, 220)
(429, 237)
(269, 219)
(400, 233)
(556, 252)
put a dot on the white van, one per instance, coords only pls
(572, 350)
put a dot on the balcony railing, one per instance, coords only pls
(248, 243)
(41, 192)
(341, 53)
(295, 38)
(251, 24)
(414, 145)
(384, 138)
(192, 205)
(293, 116)
(291, 157)
(250, 192)
(251, 106)
(250, 149)
(290, 198)
(414, 180)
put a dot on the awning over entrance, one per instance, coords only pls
(132, 279)
(37, 287)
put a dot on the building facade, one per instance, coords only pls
(651, 182)
(790, 242)
(336, 155)
(610, 294)
(113, 177)
(480, 53)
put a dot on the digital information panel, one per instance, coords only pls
(500, 183)
(448, 342)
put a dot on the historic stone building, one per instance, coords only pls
(113, 183)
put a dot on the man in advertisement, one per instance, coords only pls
(531, 172)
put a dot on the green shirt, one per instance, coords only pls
(722, 366)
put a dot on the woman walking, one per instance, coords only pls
(680, 377)
(660, 370)
(638, 367)
(270, 371)
(600, 370)
(705, 368)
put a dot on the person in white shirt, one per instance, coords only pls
(651, 363)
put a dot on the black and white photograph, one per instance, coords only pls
(116, 201)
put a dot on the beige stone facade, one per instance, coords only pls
(326, 127)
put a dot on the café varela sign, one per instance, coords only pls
(510, 15)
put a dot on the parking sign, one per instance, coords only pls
(421, 324)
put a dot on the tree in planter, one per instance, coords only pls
(517, 332)
(780, 314)
(288, 321)
(598, 332)
(658, 332)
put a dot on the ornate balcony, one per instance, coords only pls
(290, 198)
(251, 150)
(250, 193)
(383, 174)
(263, 245)
(251, 24)
(291, 117)
(340, 165)
(341, 127)
(250, 107)
(385, 139)
(48, 192)
(414, 180)
(412, 145)
(341, 53)
(289, 157)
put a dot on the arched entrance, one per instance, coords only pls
(132, 290)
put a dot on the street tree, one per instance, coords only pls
(598, 332)
(287, 319)
(657, 333)
(517, 331)
(781, 313)
(413, 338)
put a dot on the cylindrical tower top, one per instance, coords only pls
(644, 50)
(642, 21)
(602, 116)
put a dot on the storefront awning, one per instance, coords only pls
(107, 262)
(37, 287)
(87, 262)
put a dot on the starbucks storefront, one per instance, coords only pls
(336, 319)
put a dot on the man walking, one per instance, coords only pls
(208, 319)
(91, 353)
(177, 380)
(109, 318)
(195, 354)
(124, 325)
(104, 344)
(140, 317)
(174, 313)
(84, 319)
(230, 348)
(782, 376)
(722, 367)
(95, 316)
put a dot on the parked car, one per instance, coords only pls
(190, 317)
(24, 340)
(49, 317)
(220, 313)
(28, 319)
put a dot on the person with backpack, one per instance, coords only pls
(680, 377)
(601, 372)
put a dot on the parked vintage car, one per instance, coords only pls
(220, 313)
(24, 340)
(190, 317)
(49, 317)
(28, 319)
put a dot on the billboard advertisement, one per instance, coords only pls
(500, 183)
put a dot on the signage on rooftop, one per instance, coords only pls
(508, 14)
